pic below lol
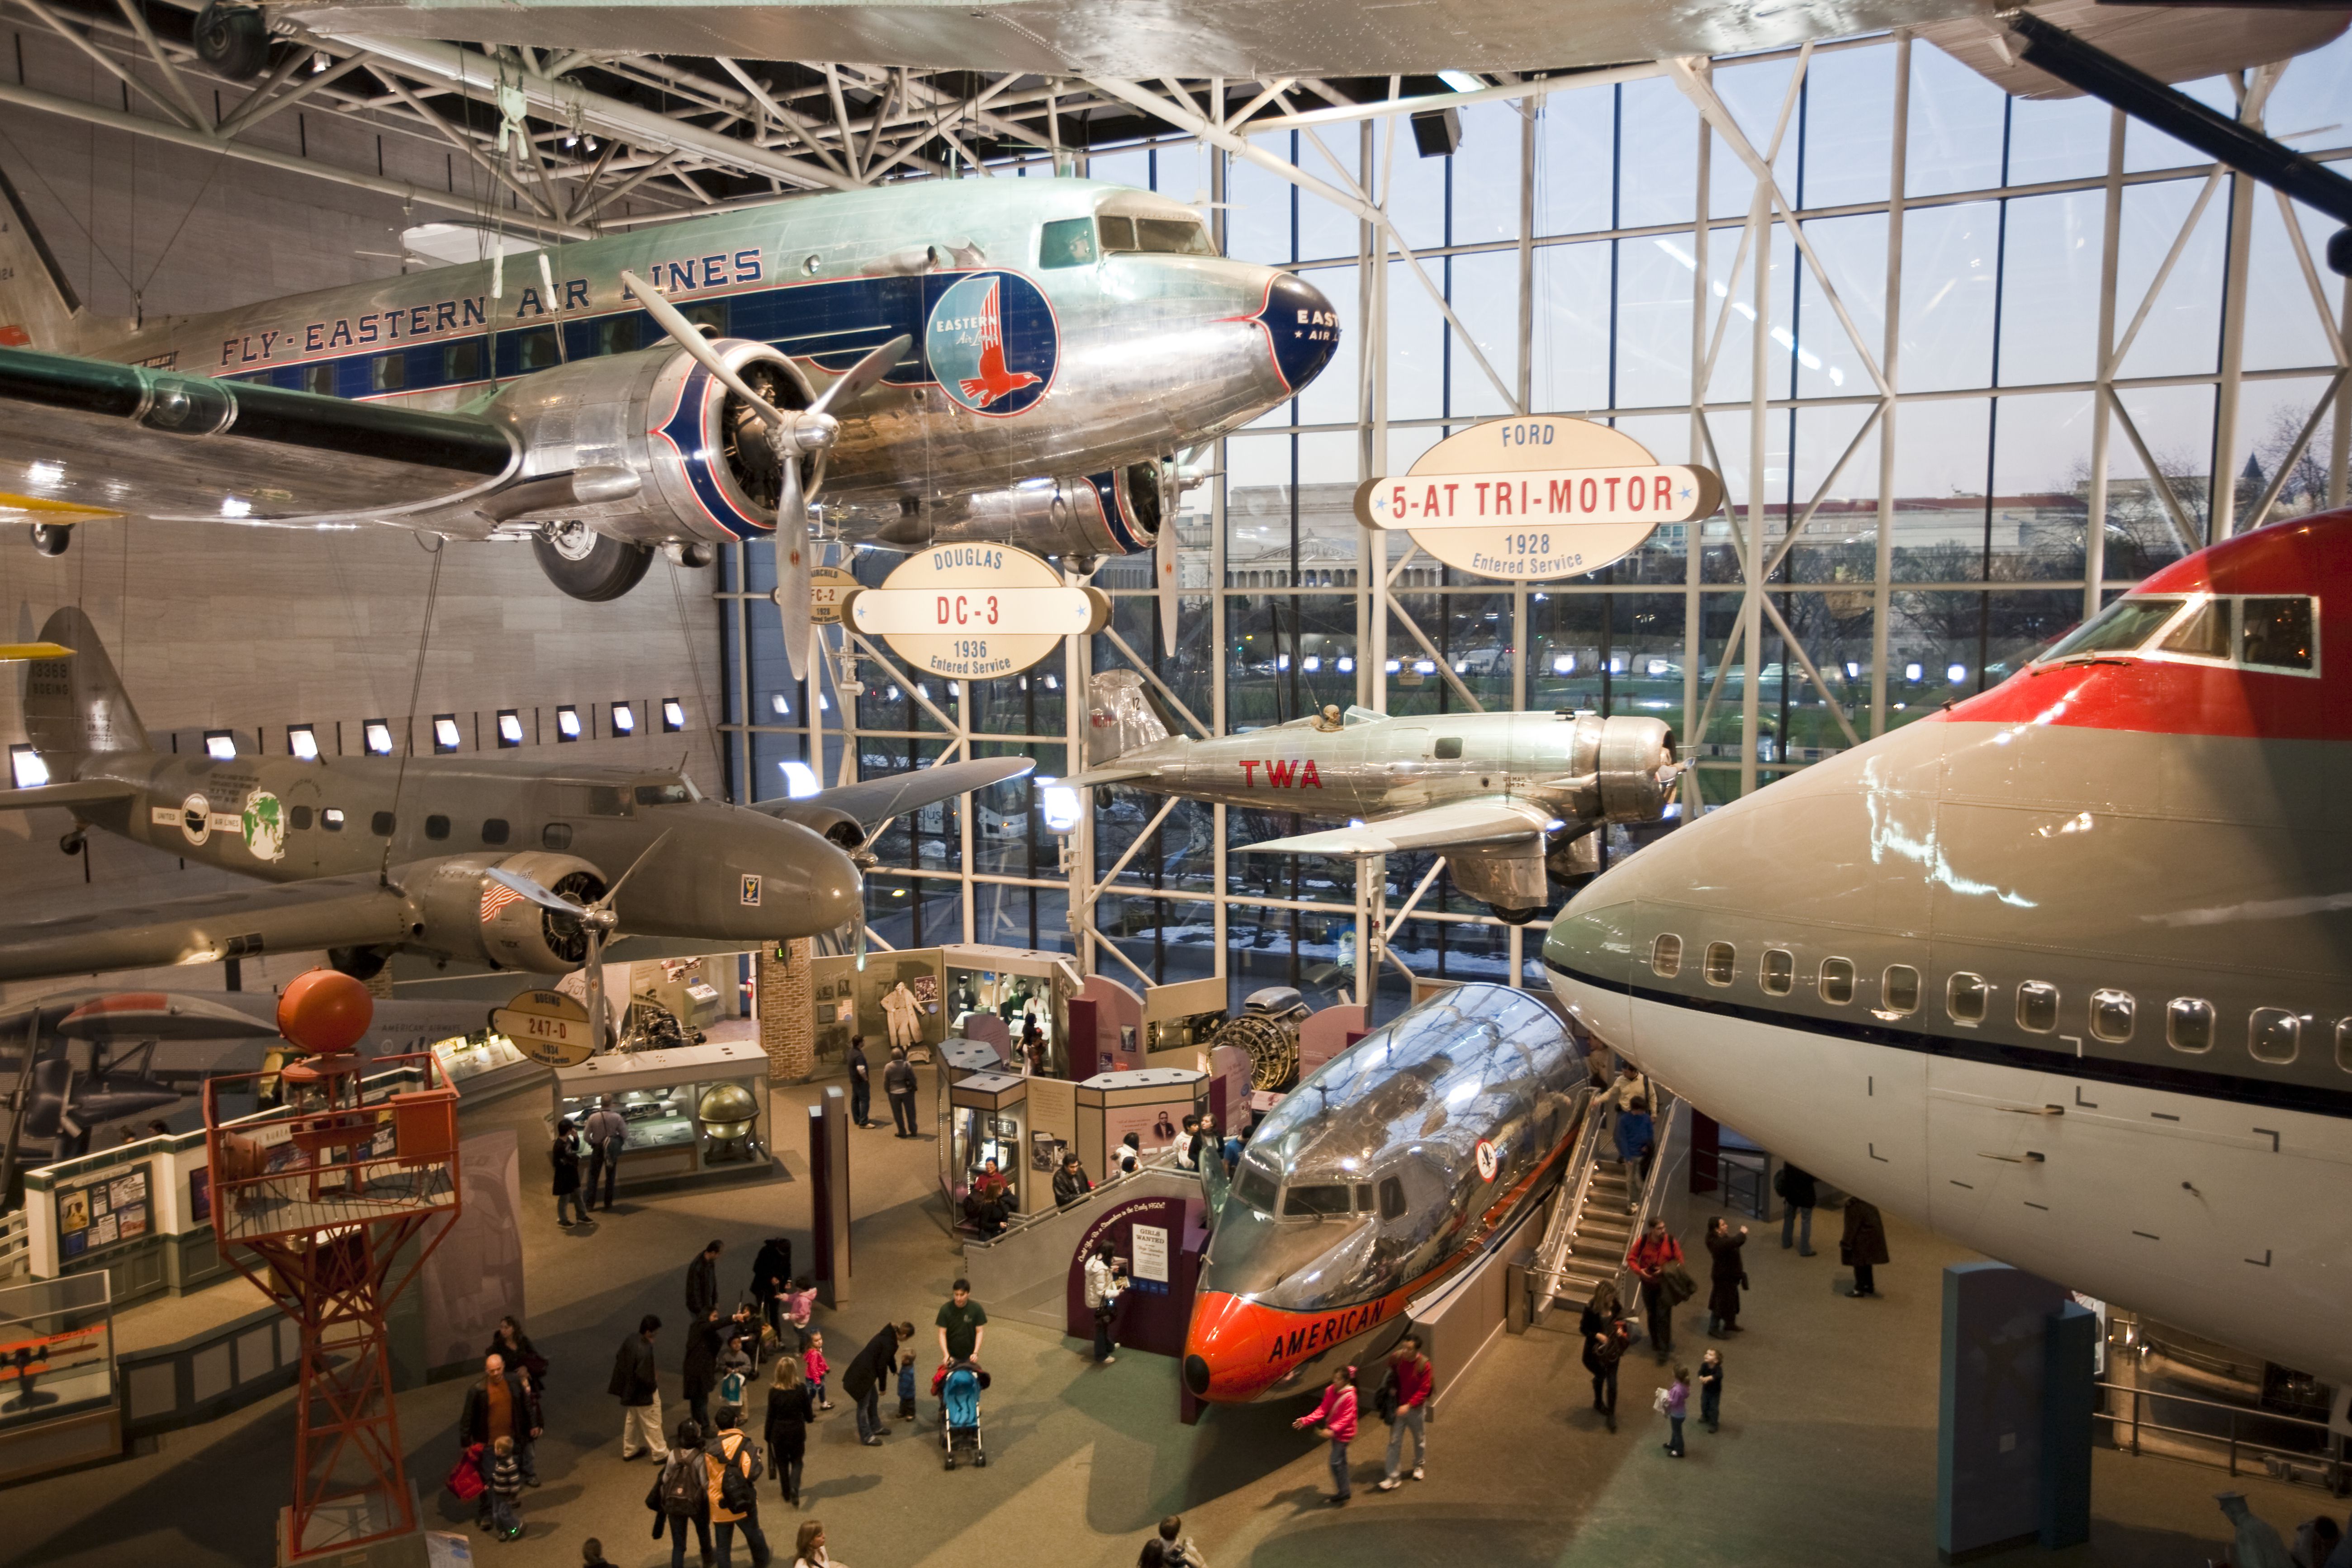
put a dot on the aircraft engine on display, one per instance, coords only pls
(1119, 512)
(463, 913)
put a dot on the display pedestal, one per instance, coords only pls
(351, 1518)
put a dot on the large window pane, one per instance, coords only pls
(1486, 296)
(1486, 174)
(1658, 161)
(1948, 286)
(1576, 161)
(2182, 335)
(1956, 127)
(2050, 299)
(1571, 330)
(1849, 103)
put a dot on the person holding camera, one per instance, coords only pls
(1105, 1280)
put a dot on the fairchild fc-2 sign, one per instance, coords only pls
(1536, 499)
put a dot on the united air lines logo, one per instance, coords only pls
(992, 344)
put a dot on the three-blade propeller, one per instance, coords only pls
(794, 434)
(597, 922)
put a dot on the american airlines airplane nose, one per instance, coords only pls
(1302, 328)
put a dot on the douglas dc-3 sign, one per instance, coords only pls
(1536, 499)
(975, 612)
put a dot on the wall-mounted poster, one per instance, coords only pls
(101, 1213)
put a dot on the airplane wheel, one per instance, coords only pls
(588, 565)
(1516, 917)
(233, 39)
(981, 1460)
(73, 843)
(51, 538)
(950, 1461)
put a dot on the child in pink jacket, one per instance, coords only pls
(817, 1366)
(1336, 1418)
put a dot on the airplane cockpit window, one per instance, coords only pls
(2274, 1035)
(2188, 1024)
(2037, 1007)
(1722, 962)
(1898, 991)
(2110, 1016)
(1066, 242)
(675, 792)
(1317, 1200)
(1255, 1188)
(1965, 997)
(1667, 956)
(1154, 236)
(2204, 635)
(2120, 627)
(1392, 1190)
(2276, 632)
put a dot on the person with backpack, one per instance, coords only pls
(680, 1496)
(1606, 1339)
(1637, 1144)
(790, 1411)
(1656, 1261)
(1405, 1402)
(1335, 1418)
(1798, 1195)
(635, 1384)
(734, 1465)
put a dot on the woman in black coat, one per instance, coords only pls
(1728, 1275)
(1603, 1330)
(703, 1341)
(565, 1157)
(1864, 1245)
(789, 1412)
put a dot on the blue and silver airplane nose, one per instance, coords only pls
(1302, 330)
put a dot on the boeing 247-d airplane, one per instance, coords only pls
(1042, 351)
(2060, 971)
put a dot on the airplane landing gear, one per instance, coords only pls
(590, 565)
(73, 843)
(1516, 917)
(51, 538)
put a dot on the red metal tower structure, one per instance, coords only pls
(314, 1200)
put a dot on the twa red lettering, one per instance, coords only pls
(1280, 773)
(1309, 778)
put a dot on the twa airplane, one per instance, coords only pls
(1014, 361)
(2061, 971)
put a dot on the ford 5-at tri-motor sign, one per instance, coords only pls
(1536, 499)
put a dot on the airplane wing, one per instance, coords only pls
(1485, 822)
(89, 438)
(91, 793)
(293, 916)
(872, 801)
(1112, 774)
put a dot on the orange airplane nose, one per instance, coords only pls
(1225, 1350)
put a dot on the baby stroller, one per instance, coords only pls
(959, 1392)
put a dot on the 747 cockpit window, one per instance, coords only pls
(2120, 627)
(2275, 633)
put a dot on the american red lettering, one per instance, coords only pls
(943, 610)
(1502, 500)
(1429, 502)
(1637, 494)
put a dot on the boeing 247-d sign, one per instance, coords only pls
(1535, 498)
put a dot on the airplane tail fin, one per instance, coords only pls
(1120, 719)
(78, 705)
(38, 305)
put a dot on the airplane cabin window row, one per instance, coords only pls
(496, 831)
(2192, 1025)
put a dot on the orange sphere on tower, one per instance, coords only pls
(325, 1011)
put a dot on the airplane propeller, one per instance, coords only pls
(597, 921)
(794, 434)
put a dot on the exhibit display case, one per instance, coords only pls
(1151, 1103)
(693, 1111)
(484, 1063)
(987, 1118)
(1017, 987)
(58, 1409)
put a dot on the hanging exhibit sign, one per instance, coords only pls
(1531, 500)
(547, 1026)
(975, 612)
(828, 585)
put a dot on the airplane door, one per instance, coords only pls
(304, 800)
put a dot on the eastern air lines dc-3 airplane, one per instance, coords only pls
(2061, 971)
(1009, 360)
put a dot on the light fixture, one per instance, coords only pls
(777, 703)
(1911, 672)
(800, 780)
(672, 715)
(1313, 664)
(1393, 666)
(1283, 662)
(1059, 804)
(1563, 663)
(378, 732)
(509, 728)
(319, 60)
(1460, 667)
(220, 745)
(567, 723)
(823, 703)
(302, 740)
(445, 733)
(1853, 670)
(625, 719)
(1424, 667)
(1052, 684)
(589, 142)
(1347, 664)
(25, 766)
(1616, 667)
(1459, 81)
(1957, 673)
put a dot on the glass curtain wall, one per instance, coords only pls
(1967, 363)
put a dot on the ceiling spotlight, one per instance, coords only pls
(589, 143)
(302, 741)
(220, 745)
(625, 719)
(567, 722)
(445, 733)
(510, 727)
(25, 766)
(379, 736)
(319, 60)
(672, 715)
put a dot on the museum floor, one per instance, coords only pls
(1827, 1454)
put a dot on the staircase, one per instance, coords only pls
(1591, 1228)
(1600, 1234)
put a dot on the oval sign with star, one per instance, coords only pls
(1530, 499)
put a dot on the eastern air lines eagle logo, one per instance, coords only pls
(992, 343)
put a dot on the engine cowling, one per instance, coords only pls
(465, 915)
(1624, 766)
(1118, 512)
(648, 446)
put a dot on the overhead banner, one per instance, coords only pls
(975, 612)
(1536, 499)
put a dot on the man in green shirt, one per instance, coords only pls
(963, 1323)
